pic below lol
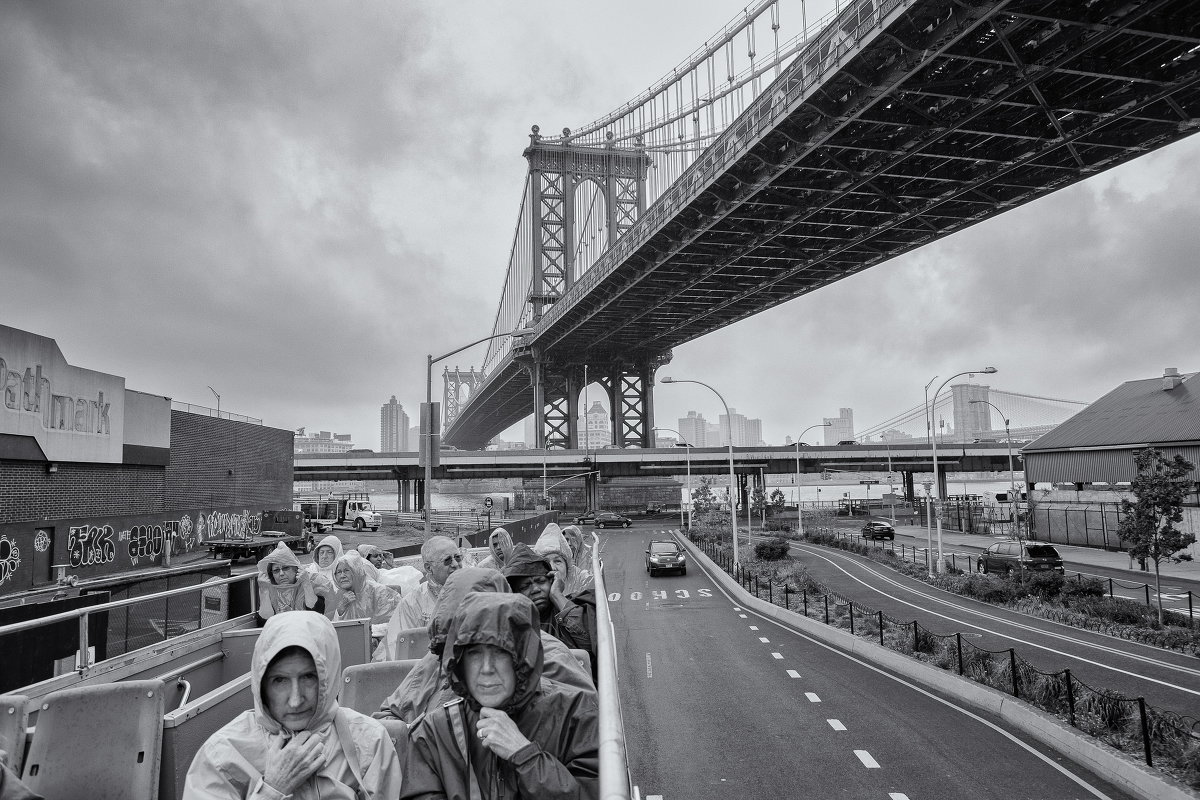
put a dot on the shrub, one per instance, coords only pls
(1079, 590)
(771, 549)
(987, 588)
(1043, 585)
(778, 525)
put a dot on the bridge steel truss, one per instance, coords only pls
(902, 123)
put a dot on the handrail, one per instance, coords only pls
(63, 616)
(614, 766)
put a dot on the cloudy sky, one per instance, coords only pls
(294, 202)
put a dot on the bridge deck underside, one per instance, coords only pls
(954, 113)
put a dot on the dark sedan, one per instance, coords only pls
(878, 529)
(611, 520)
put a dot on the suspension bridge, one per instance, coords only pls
(766, 166)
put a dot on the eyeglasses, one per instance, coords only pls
(456, 558)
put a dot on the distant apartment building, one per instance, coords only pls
(530, 432)
(745, 432)
(393, 428)
(414, 438)
(841, 427)
(321, 442)
(597, 430)
(694, 429)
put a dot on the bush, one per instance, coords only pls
(1073, 591)
(778, 525)
(1043, 585)
(771, 549)
(987, 588)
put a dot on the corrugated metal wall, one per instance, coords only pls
(1094, 466)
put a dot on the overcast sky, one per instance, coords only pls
(294, 202)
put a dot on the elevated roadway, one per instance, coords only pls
(612, 463)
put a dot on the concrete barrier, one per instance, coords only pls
(1129, 774)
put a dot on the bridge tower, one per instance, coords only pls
(559, 176)
(454, 382)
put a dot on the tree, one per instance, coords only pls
(703, 499)
(776, 501)
(758, 502)
(1148, 525)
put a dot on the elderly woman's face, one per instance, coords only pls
(325, 556)
(558, 564)
(489, 675)
(343, 577)
(284, 574)
(290, 688)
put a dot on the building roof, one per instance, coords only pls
(1138, 412)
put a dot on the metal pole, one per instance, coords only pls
(799, 439)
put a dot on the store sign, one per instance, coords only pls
(74, 414)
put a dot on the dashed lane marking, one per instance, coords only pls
(812, 697)
(793, 674)
(649, 667)
(836, 724)
(764, 640)
(753, 627)
(866, 759)
(891, 796)
(776, 655)
(743, 616)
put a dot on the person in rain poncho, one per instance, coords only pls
(324, 557)
(360, 597)
(500, 545)
(440, 557)
(580, 548)
(571, 620)
(425, 686)
(555, 548)
(507, 734)
(296, 742)
(284, 586)
(379, 558)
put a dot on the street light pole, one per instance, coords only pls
(429, 362)
(799, 441)
(688, 454)
(1012, 479)
(732, 477)
(214, 391)
(941, 563)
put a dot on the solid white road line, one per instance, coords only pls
(836, 724)
(812, 697)
(793, 674)
(866, 759)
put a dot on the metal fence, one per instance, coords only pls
(1091, 525)
(1127, 723)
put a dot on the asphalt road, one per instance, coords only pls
(721, 703)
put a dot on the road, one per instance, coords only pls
(721, 703)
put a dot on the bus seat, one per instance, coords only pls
(187, 728)
(412, 643)
(108, 736)
(14, 719)
(366, 686)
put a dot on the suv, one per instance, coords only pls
(878, 529)
(1004, 557)
(664, 554)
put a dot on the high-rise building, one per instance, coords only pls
(841, 427)
(393, 427)
(414, 438)
(745, 432)
(694, 429)
(598, 427)
(530, 432)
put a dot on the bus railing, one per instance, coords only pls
(614, 763)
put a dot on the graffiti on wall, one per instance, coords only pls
(227, 525)
(10, 558)
(89, 545)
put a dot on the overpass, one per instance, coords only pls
(896, 123)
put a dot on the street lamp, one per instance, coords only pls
(732, 478)
(546, 490)
(214, 391)
(429, 362)
(1012, 479)
(799, 513)
(688, 452)
(941, 563)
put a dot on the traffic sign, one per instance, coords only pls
(869, 483)
(487, 502)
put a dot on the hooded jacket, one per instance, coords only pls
(426, 685)
(500, 546)
(231, 763)
(560, 722)
(372, 600)
(275, 598)
(326, 587)
(554, 542)
(579, 546)
(574, 625)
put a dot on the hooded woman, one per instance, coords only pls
(324, 557)
(359, 596)
(507, 734)
(296, 741)
(425, 686)
(579, 546)
(284, 586)
(379, 558)
(500, 545)
(553, 546)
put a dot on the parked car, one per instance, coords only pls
(585, 517)
(609, 519)
(1004, 557)
(665, 554)
(878, 529)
